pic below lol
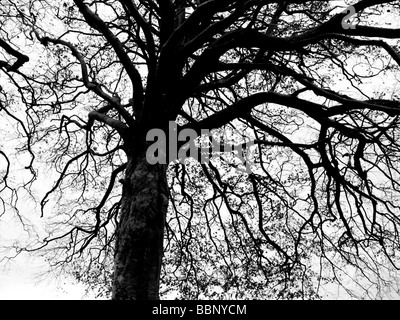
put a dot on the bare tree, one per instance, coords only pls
(320, 196)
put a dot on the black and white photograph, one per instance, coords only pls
(216, 152)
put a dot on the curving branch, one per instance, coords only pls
(21, 58)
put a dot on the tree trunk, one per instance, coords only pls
(139, 234)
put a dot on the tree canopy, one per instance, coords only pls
(307, 89)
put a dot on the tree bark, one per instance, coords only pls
(139, 234)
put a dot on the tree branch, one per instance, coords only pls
(21, 58)
(96, 23)
(113, 101)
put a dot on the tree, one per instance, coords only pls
(318, 182)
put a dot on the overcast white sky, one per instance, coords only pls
(21, 282)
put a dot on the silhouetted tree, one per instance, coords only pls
(303, 81)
